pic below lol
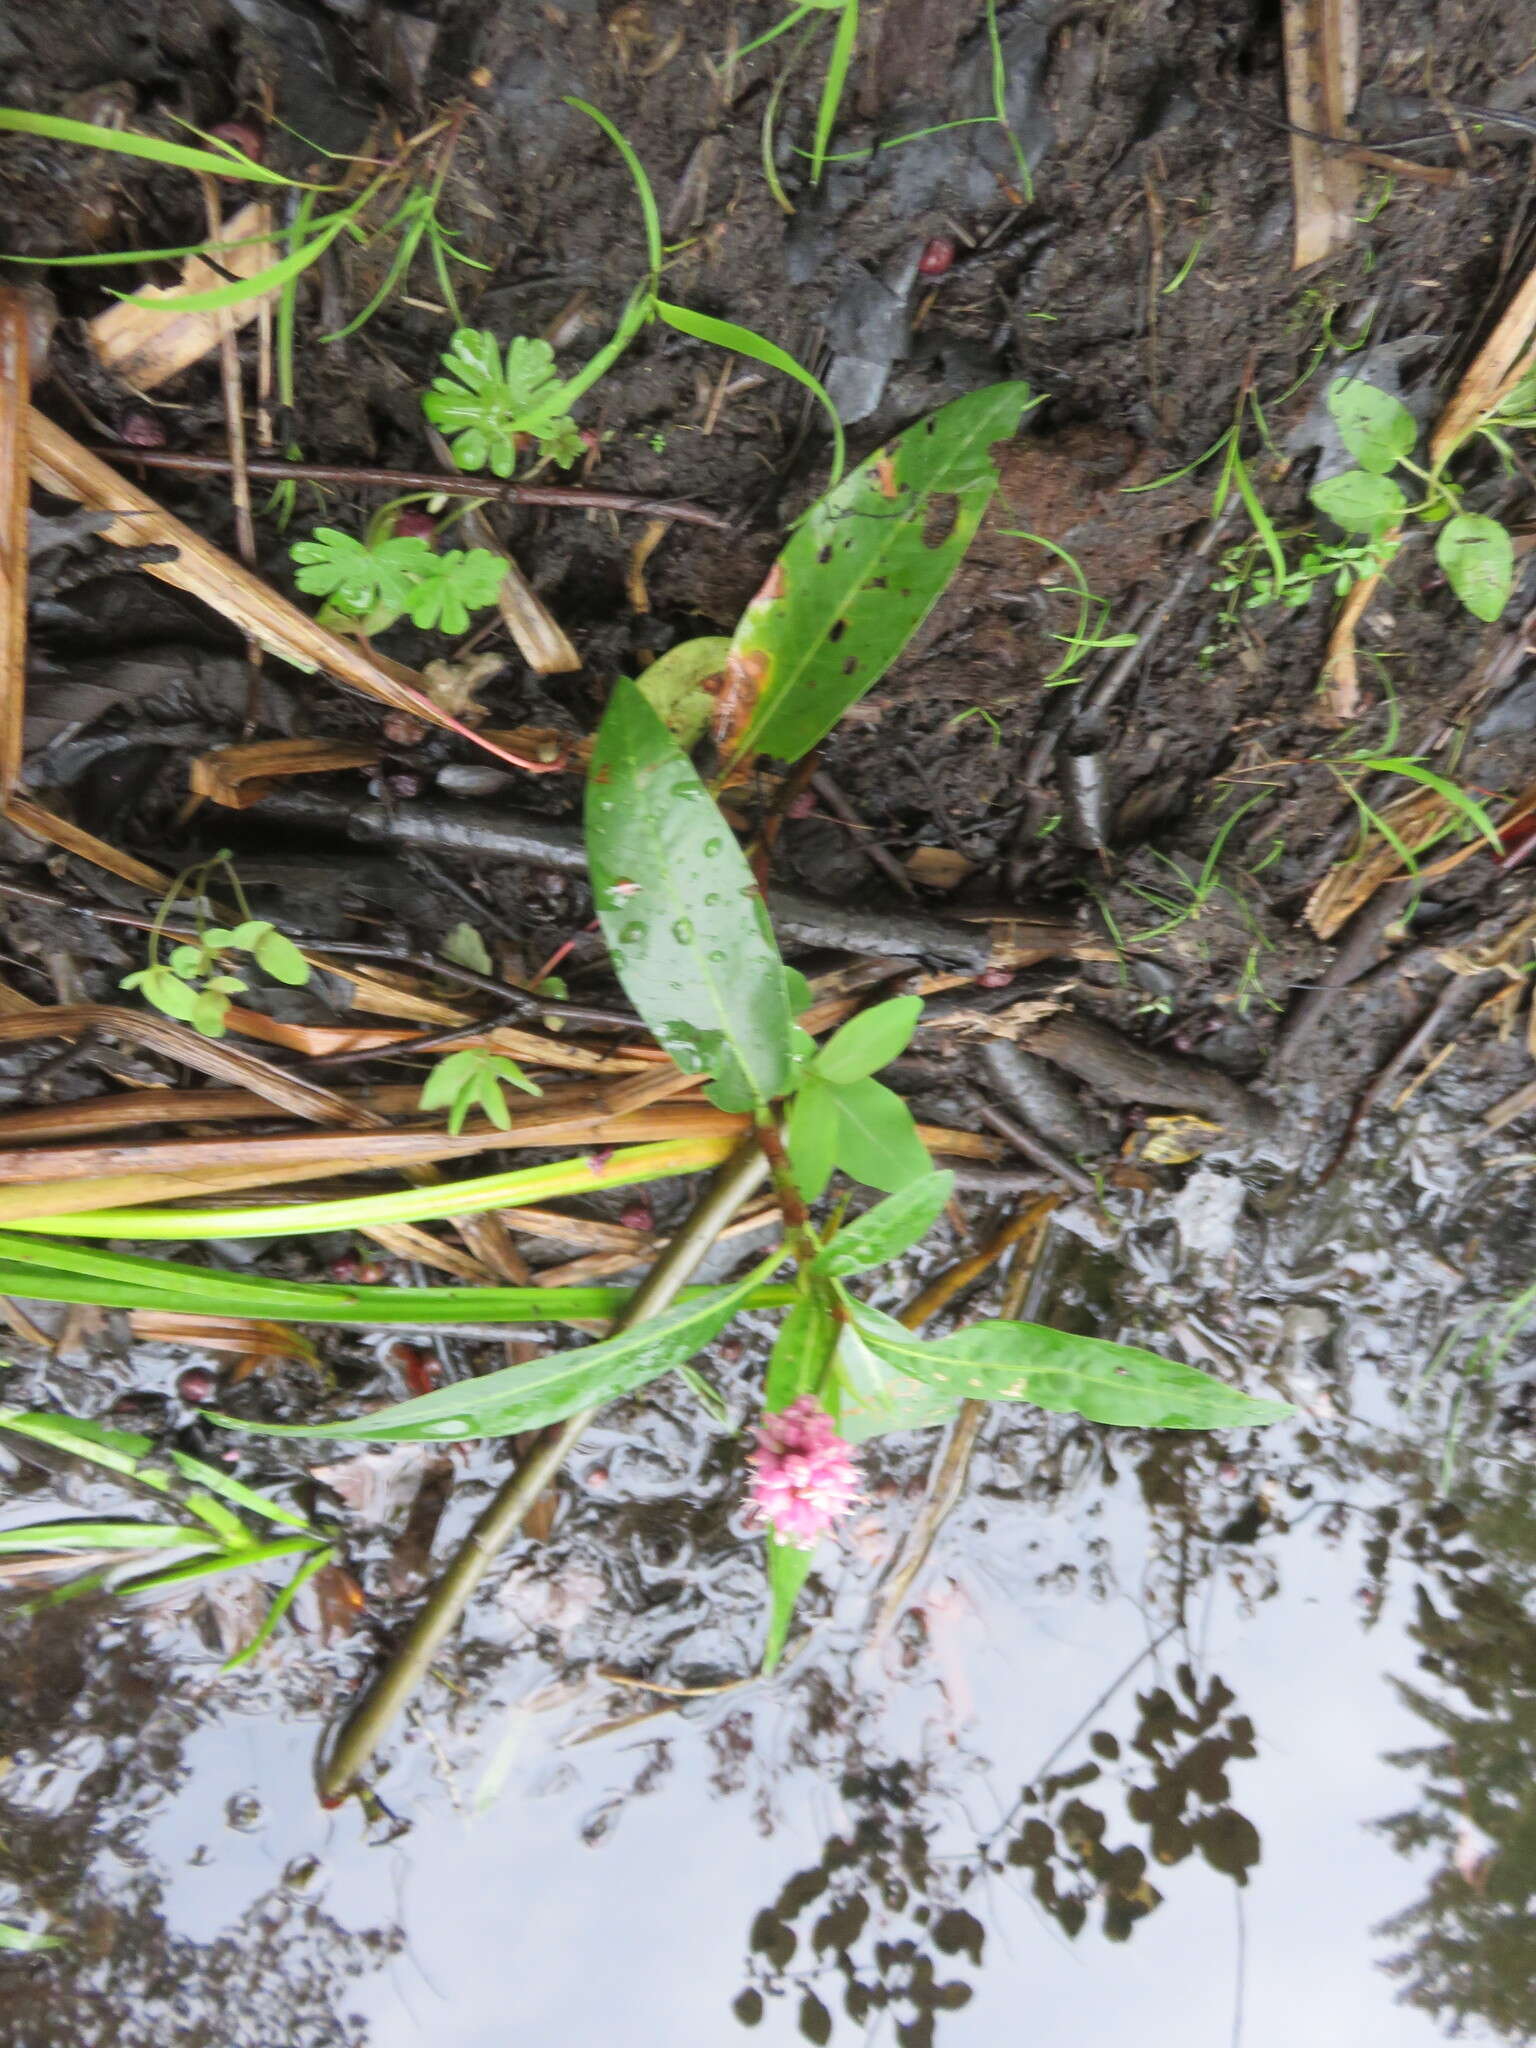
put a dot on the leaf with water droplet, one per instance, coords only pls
(709, 981)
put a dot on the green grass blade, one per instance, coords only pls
(401, 262)
(243, 288)
(1000, 104)
(239, 1494)
(843, 44)
(1459, 799)
(225, 1561)
(100, 259)
(21, 1941)
(213, 163)
(316, 1562)
(59, 1271)
(634, 317)
(637, 171)
(625, 1168)
(726, 334)
(63, 1537)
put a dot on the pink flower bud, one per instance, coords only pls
(803, 1475)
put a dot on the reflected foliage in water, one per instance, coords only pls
(1466, 1950)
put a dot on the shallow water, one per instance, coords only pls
(1171, 1730)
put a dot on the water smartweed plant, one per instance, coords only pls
(691, 942)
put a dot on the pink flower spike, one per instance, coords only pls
(803, 1475)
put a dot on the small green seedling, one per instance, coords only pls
(1340, 565)
(370, 584)
(474, 1079)
(486, 400)
(195, 982)
(1380, 432)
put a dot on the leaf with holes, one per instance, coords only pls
(681, 911)
(864, 568)
(1478, 558)
(1071, 1375)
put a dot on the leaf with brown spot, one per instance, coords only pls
(858, 577)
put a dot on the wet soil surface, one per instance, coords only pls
(1210, 1738)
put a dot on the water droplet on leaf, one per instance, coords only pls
(682, 931)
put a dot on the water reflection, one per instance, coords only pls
(1466, 1950)
(1119, 1758)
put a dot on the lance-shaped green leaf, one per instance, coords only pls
(23, 1942)
(869, 1041)
(877, 1399)
(682, 914)
(862, 571)
(803, 1350)
(1071, 1375)
(881, 1233)
(788, 1570)
(877, 1139)
(545, 1390)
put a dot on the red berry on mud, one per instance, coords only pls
(637, 1216)
(242, 135)
(994, 977)
(346, 1269)
(141, 430)
(197, 1386)
(401, 730)
(370, 1273)
(938, 257)
(415, 526)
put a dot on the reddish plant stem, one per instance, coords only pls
(562, 497)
